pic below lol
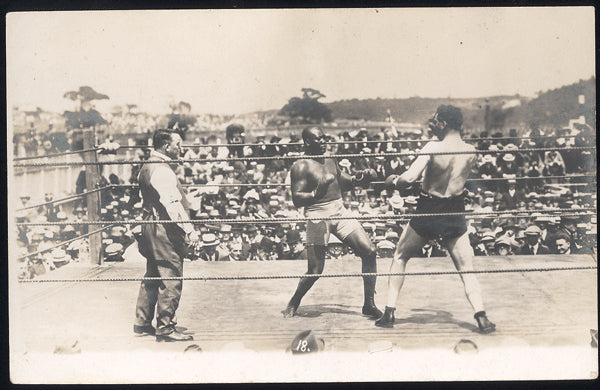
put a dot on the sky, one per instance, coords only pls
(239, 61)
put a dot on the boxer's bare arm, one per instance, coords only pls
(413, 173)
(299, 183)
(346, 181)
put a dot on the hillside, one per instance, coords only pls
(551, 108)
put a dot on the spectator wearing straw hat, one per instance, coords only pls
(345, 166)
(508, 166)
(485, 246)
(209, 250)
(487, 169)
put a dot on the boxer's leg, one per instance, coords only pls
(317, 237)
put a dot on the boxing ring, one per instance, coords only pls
(544, 308)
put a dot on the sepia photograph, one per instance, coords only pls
(302, 195)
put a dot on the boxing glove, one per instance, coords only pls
(364, 177)
(322, 185)
(391, 182)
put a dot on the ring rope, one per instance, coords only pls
(299, 276)
(395, 141)
(62, 243)
(301, 157)
(65, 199)
(574, 176)
(564, 212)
(56, 154)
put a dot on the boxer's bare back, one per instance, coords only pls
(445, 175)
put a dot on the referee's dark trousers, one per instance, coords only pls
(163, 245)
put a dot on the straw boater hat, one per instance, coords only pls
(396, 201)
(503, 240)
(252, 194)
(389, 235)
(58, 254)
(488, 236)
(509, 157)
(280, 214)
(488, 158)
(410, 200)
(209, 239)
(345, 163)
(385, 244)
(114, 252)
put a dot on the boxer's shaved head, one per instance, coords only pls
(310, 133)
(314, 140)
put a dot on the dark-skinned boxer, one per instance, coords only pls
(317, 185)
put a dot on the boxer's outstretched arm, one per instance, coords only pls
(413, 173)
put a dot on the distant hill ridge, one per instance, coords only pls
(552, 108)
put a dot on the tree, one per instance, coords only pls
(86, 115)
(307, 109)
(84, 94)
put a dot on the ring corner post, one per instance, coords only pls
(92, 178)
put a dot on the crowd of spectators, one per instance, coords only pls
(46, 133)
(259, 190)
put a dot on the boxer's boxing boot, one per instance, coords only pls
(370, 266)
(485, 325)
(387, 319)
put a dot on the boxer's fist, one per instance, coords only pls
(391, 182)
(322, 185)
(364, 177)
